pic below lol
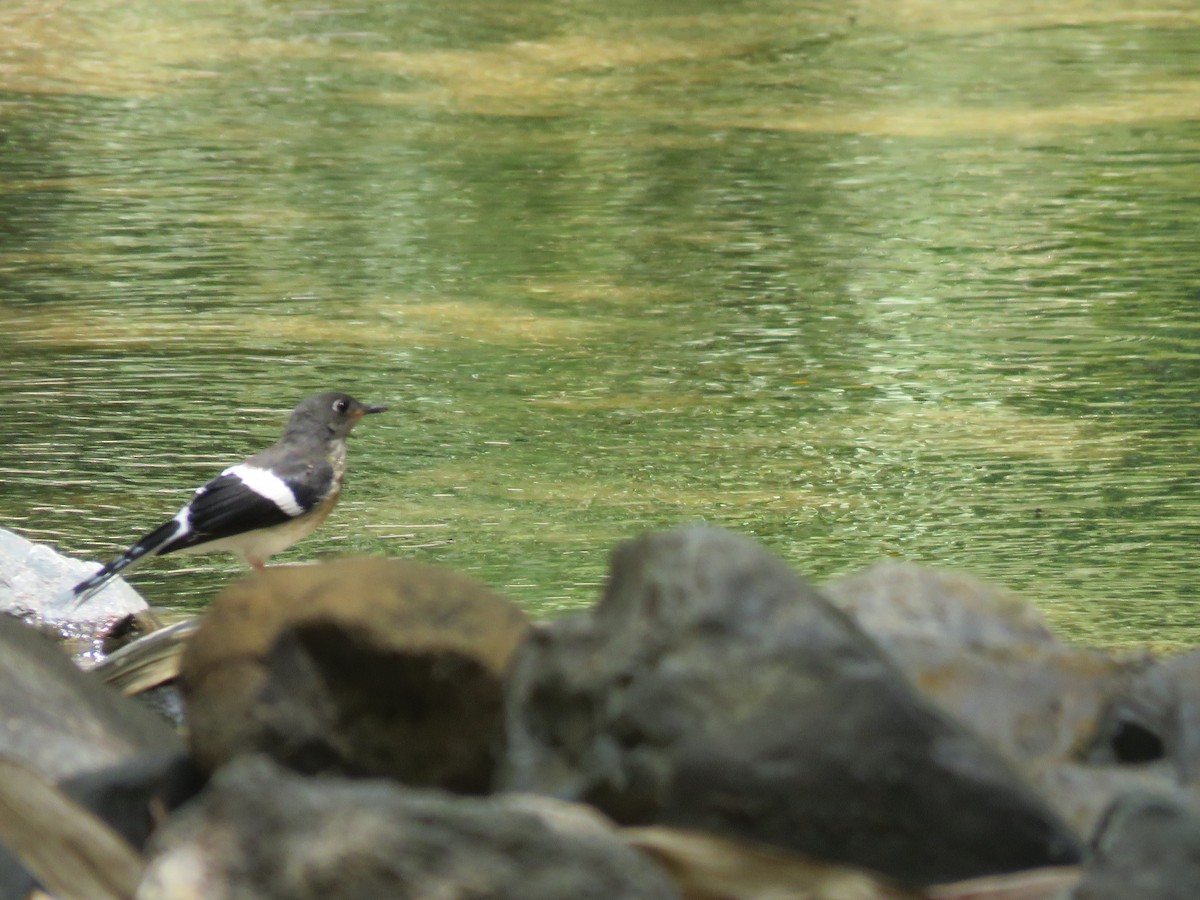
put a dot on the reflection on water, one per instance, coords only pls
(901, 282)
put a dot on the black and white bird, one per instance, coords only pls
(262, 506)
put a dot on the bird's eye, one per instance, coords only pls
(340, 406)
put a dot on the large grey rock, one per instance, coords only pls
(711, 688)
(261, 832)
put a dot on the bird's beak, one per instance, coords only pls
(363, 410)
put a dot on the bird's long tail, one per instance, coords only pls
(150, 545)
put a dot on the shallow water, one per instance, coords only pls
(913, 281)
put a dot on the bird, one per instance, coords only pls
(261, 506)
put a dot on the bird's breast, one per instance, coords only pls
(337, 462)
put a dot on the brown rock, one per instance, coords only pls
(361, 666)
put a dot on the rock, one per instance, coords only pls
(360, 666)
(260, 831)
(34, 579)
(1183, 673)
(73, 832)
(986, 657)
(1148, 848)
(1145, 741)
(903, 601)
(101, 748)
(134, 795)
(60, 720)
(713, 689)
(1156, 716)
(1084, 725)
(63, 848)
(1082, 792)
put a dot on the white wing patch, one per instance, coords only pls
(183, 519)
(267, 484)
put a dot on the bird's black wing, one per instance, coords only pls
(247, 498)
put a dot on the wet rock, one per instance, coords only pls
(713, 689)
(1147, 848)
(35, 577)
(260, 831)
(361, 666)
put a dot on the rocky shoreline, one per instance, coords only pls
(714, 727)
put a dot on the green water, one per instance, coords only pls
(888, 280)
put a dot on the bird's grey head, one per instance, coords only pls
(330, 415)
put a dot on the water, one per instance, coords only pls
(912, 281)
